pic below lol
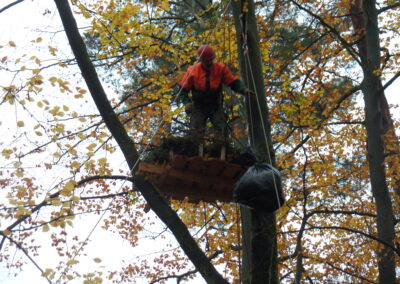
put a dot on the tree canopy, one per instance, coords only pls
(77, 124)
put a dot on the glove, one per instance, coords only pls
(248, 92)
(189, 108)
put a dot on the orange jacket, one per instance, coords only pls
(199, 79)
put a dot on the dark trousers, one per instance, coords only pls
(199, 116)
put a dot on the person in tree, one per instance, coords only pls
(205, 81)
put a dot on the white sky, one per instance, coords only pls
(16, 24)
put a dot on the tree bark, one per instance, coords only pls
(373, 93)
(392, 145)
(259, 229)
(127, 146)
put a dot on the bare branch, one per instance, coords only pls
(10, 5)
(179, 277)
(345, 44)
(26, 254)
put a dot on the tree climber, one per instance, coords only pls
(205, 81)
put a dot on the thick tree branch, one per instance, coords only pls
(389, 7)
(391, 81)
(153, 198)
(116, 177)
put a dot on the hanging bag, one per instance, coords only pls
(260, 188)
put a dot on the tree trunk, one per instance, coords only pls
(392, 145)
(153, 198)
(373, 92)
(259, 229)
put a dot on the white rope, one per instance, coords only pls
(264, 130)
(248, 64)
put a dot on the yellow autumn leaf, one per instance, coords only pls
(75, 164)
(19, 173)
(71, 184)
(56, 202)
(75, 198)
(102, 161)
(47, 272)
(81, 136)
(68, 188)
(91, 146)
(7, 153)
(46, 228)
(72, 262)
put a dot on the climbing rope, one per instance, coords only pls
(249, 67)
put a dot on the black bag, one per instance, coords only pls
(260, 188)
(246, 157)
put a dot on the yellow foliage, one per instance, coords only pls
(318, 134)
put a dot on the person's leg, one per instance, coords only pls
(218, 119)
(198, 121)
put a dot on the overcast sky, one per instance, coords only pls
(16, 24)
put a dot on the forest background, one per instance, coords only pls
(54, 141)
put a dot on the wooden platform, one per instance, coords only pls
(194, 178)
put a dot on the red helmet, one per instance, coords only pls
(206, 53)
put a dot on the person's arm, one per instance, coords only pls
(238, 86)
(185, 86)
(235, 84)
(184, 96)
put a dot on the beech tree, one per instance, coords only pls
(64, 134)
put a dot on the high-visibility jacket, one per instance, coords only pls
(206, 85)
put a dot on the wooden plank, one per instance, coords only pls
(194, 178)
(204, 184)
(232, 171)
(214, 167)
(147, 168)
(190, 177)
(164, 178)
(196, 165)
(179, 162)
